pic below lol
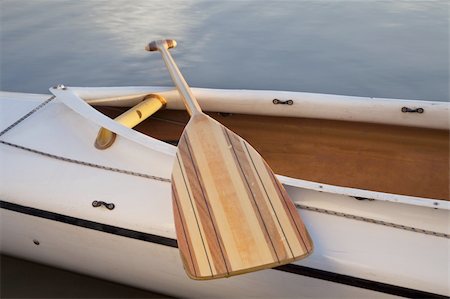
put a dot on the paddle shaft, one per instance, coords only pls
(231, 214)
(189, 100)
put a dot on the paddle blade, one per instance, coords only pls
(232, 216)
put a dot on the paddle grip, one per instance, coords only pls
(168, 43)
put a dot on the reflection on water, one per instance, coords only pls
(382, 49)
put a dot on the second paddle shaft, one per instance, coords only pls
(188, 98)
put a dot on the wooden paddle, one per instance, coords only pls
(232, 216)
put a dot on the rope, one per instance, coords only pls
(65, 159)
(374, 221)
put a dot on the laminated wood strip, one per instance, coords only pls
(206, 214)
(184, 241)
(244, 220)
(183, 198)
(272, 231)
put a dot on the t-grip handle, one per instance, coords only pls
(167, 43)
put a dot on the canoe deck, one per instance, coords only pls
(385, 158)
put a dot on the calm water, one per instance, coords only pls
(369, 48)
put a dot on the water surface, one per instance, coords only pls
(392, 49)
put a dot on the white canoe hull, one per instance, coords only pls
(48, 200)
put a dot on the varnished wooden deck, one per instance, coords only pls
(385, 158)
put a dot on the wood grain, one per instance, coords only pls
(393, 159)
(231, 215)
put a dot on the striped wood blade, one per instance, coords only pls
(232, 216)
